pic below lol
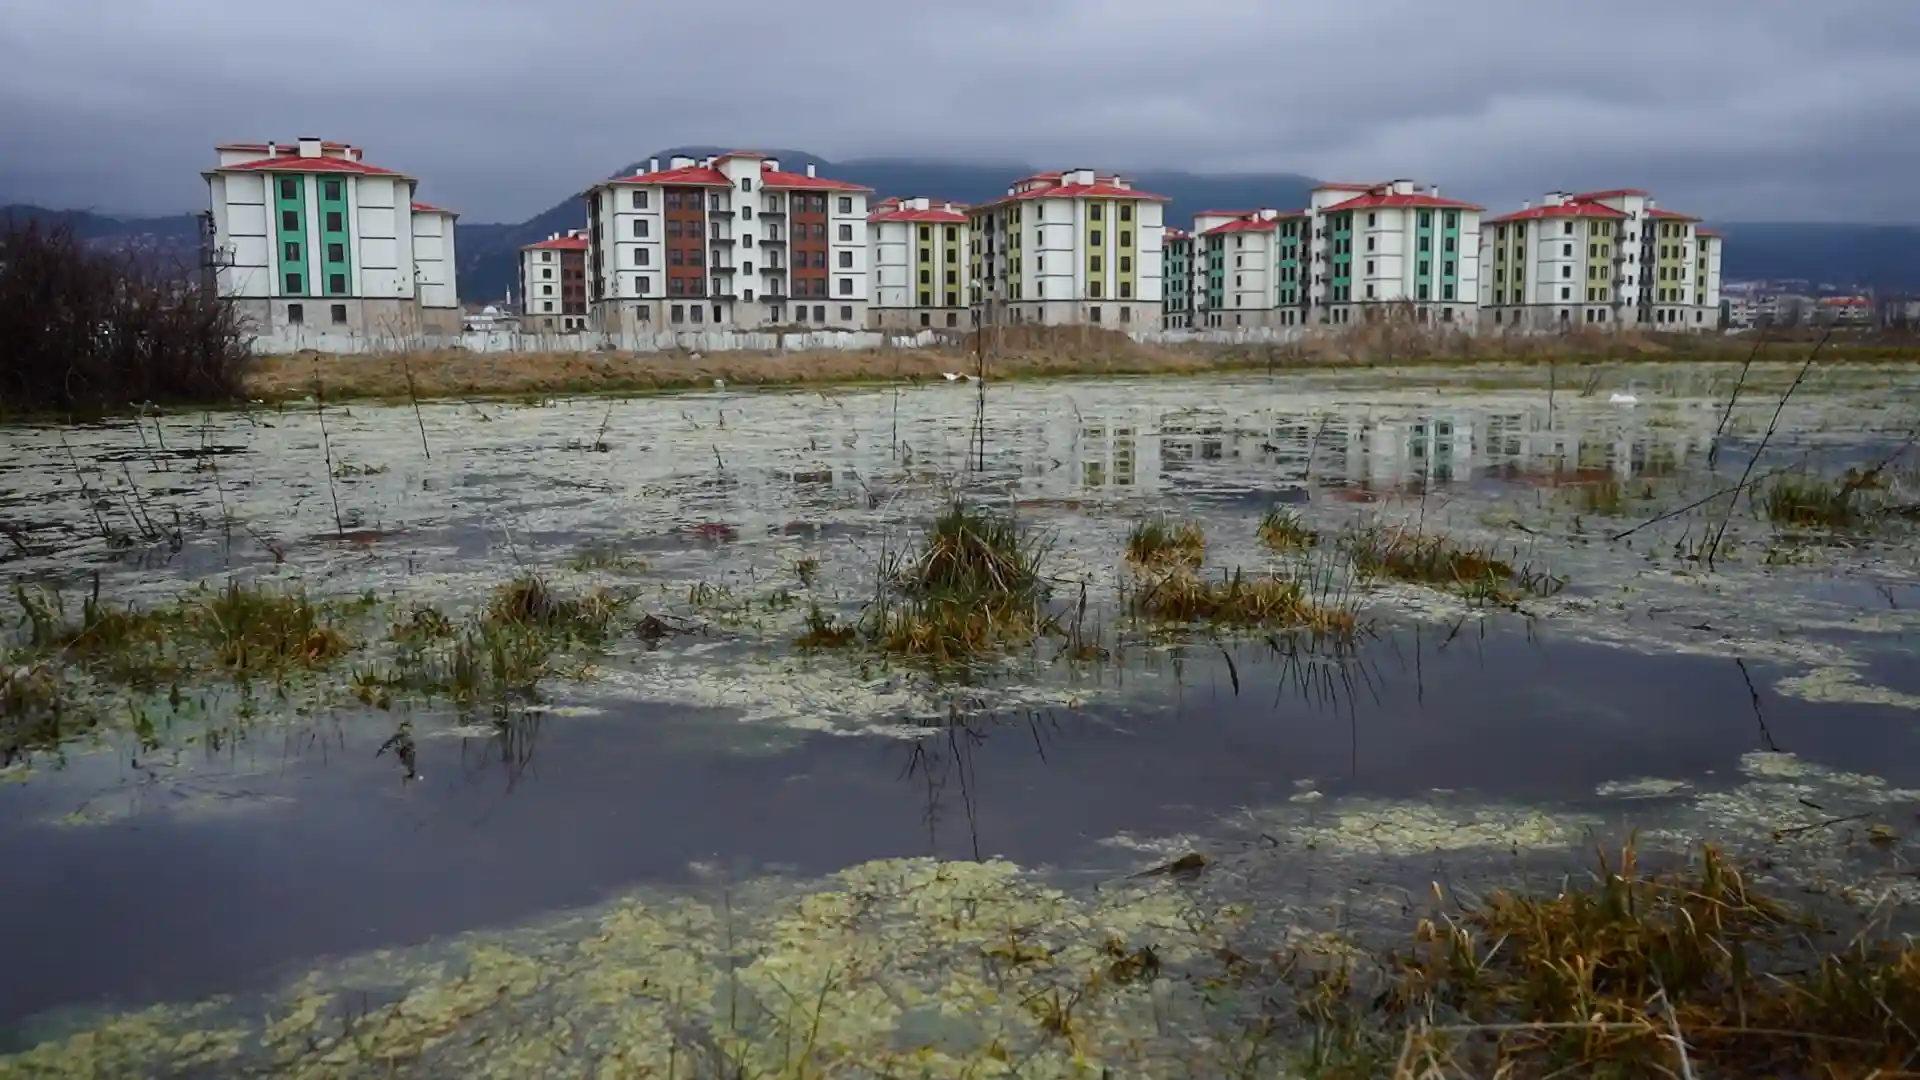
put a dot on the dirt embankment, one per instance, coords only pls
(1009, 353)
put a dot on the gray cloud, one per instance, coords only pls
(1765, 109)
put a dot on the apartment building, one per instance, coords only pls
(553, 283)
(1075, 247)
(922, 276)
(1376, 251)
(1248, 268)
(308, 233)
(1612, 259)
(1356, 253)
(1176, 274)
(731, 242)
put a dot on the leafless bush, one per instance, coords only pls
(90, 331)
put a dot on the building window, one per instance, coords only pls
(1094, 238)
(335, 221)
(673, 200)
(696, 313)
(678, 314)
(1369, 267)
(546, 290)
(642, 284)
(336, 253)
(296, 314)
(846, 232)
(642, 257)
(289, 187)
(1093, 264)
(846, 260)
(289, 221)
(1446, 292)
(846, 286)
(1093, 313)
(926, 298)
(953, 235)
(293, 283)
(953, 319)
(746, 241)
(1093, 290)
(640, 200)
(846, 204)
(1126, 292)
(1093, 211)
(293, 251)
(337, 284)
(820, 312)
(1566, 293)
(332, 190)
(546, 305)
(846, 314)
(640, 229)
(746, 184)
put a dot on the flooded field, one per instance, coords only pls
(637, 738)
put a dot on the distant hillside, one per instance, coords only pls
(489, 253)
(158, 238)
(1885, 257)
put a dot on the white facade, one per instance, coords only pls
(918, 260)
(308, 233)
(1381, 249)
(1070, 248)
(737, 219)
(1603, 260)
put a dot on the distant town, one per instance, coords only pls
(310, 237)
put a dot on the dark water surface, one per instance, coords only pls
(567, 808)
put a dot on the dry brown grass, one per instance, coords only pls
(1012, 353)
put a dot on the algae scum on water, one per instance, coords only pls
(1116, 725)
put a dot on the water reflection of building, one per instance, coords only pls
(1143, 452)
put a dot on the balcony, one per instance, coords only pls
(728, 240)
(773, 241)
(720, 212)
(774, 215)
(774, 298)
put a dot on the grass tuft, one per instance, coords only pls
(1282, 529)
(1633, 974)
(1803, 499)
(1239, 600)
(1160, 543)
(1379, 551)
(973, 586)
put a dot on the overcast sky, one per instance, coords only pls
(1735, 109)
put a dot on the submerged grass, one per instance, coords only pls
(1803, 499)
(1381, 551)
(1283, 529)
(1691, 973)
(1159, 542)
(504, 651)
(1236, 599)
(972, 586)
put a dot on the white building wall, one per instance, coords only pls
(847, 259)
(241, 225)
(434, 259)
(1150, 240)
(383, 235)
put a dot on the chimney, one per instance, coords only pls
(680, 161)
(1526, 204)
(810, 169)
(706, 162)
(1434, 191)
(309, 147)
(273, 149)
(1402, 187)
(771, 164)
(653, 164)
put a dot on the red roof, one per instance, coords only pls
(296, 163)
(1572, 209)
(774, 178)
(691, 176)
(1243, 225)
(1845, 301)
(1171, 233)
(1331, 186)
(1226, 213)
(933, 216)
(1671, 215)
(559, 243)
(1080, 191)
(1616, 193)
(1706, 233)
(1390, 201)
(429, 208)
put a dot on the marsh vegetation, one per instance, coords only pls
(1228, 641)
